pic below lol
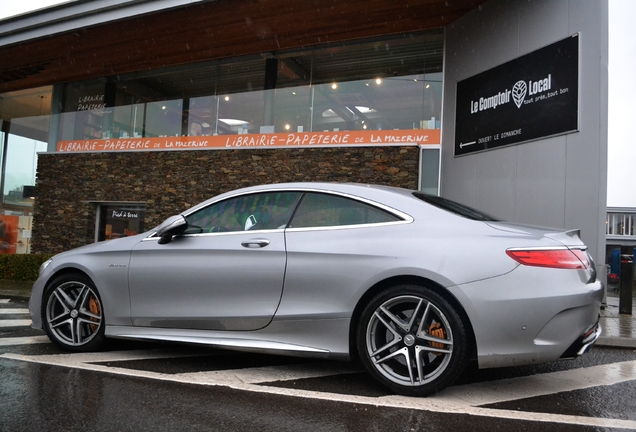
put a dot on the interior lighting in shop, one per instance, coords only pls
(334, 86)
(227, 98)
(361, 109)
(378, 81)
(287, 126)
(234, 122)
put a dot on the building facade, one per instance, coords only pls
(117, 114)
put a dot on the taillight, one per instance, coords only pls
(553, 258)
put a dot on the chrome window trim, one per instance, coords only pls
(300, 229)
(406, 218)
(266, 231)
(372, 203)
(352, 226)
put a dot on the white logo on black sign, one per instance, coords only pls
(519, 92)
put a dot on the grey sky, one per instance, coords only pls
(621, 179)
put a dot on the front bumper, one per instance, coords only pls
(35, 303)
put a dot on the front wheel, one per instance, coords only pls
(412, 340)
(73, 315)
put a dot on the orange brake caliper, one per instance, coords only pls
(93, 306)
(436, 330)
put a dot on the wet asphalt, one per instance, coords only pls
(43, 397)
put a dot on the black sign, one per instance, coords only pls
(531, 97)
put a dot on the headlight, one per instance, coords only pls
(45, 265)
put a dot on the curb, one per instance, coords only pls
(615, 342)
(15, 293)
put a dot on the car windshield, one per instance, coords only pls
(456, 208)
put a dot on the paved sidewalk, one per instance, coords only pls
(15, 288)
(617, 330)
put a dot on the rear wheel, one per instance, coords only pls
(72, 314)
(412, 340)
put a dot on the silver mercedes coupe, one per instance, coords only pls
(413, 286)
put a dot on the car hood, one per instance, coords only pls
(121, 244)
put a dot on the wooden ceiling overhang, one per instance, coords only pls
(213, 30)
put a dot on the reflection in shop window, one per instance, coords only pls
(392, 84)
(16, 206)
(21, 165)
(293, 109)
(119, 220)
(429, 170)
(164, 118)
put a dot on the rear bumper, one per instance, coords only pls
(584, 343)
(532, 315)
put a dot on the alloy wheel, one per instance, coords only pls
(73, 314)
(409, 340)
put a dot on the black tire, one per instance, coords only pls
(72, 314)
(412, 340)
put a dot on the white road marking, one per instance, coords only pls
(27, 340)
(114, 356)
(15, 323)
(4, 300)
(270, 373)
(539, 385)
(13, 311)
(454, 400)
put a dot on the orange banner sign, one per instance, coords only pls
(272, 140)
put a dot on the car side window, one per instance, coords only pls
(252, 212)
(322, 210)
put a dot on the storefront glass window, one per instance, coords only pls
(241, 113)
(24, 125)
(203, 116)
(406, 102)
(119, 220)
(18, 194)
(429, 171)
(84, 114)
(391, 84)
(293, 109)
(163, 118)
(128, 121)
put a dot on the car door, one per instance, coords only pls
(225, 272)
(334, 245)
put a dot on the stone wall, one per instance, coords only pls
(70, 186)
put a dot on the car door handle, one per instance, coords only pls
(255, 243)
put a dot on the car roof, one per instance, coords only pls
(386, 195)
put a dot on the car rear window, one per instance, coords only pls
(455, 208)
(322, 210)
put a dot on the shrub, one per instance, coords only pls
(21, 267)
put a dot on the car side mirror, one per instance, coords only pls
(171, 227)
